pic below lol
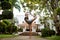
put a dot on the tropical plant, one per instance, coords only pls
(47, 32)
(5, 5)
(11, 4)
(2, 27)
(6, 27)
(20, 30)
(11, 29)
(7, 14)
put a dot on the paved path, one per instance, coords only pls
(27, 34)
(24, 38)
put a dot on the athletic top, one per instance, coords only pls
(27, 20)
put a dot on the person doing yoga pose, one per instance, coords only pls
(29, 22)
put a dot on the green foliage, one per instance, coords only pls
(5, 5)
(58, 11)
(9, 4)
(2, 27)
(38, 30)
(0, 17)
(46, 32)
(11, 29)
(7, 14)
(20, 30)
(14, 4)
(7, 35)
(54, 38)
(1, 0)
(17, 6)
(7, 28)
(6, 22)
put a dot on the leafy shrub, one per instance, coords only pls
(1, 0)
(58, 11)
(7, 14)
(3, 27)
(11, 29)
(14, 29)
(5, 5)
(6, 22)
(20, 30)
(0, 17)
(46, 32)
(38, 30)
(7, 27)
(52, 32)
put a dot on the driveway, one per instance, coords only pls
(24, 38)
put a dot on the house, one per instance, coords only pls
(25, 26)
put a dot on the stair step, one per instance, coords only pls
(27, 34)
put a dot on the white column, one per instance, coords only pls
(24, 29)
(33, 29)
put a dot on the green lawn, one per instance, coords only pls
(6, 35)
(54, 38)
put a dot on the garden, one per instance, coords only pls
(48, 12)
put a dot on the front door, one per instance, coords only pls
(28, 29)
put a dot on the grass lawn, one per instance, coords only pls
(54, 38)
(6, 35)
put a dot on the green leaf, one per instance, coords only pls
(17, 6)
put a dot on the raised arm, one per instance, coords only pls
(34, 18)
(27, 19)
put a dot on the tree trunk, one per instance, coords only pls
(57, 24)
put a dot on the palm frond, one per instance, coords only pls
(17, 6)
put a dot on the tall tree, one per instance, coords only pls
(12, 2)
(51, 5)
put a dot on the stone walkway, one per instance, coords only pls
(24, 38)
